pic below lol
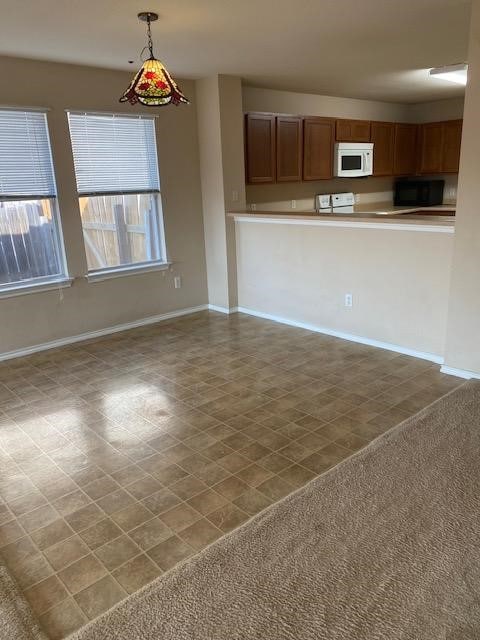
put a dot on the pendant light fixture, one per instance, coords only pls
(152, 85)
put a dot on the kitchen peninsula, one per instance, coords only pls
(380, 213)
(375, 276)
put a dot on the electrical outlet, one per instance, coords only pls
(294, 204)
(177, 281)
(348, 300)
(253, 207)
(234, 196)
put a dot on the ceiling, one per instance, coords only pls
(378, 49)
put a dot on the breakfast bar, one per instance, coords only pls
(379, 278)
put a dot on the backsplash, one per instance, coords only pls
(281, 197)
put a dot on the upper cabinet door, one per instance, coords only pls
(260, 147)
(289, 149)
(431, 151)
(353, 131)
(318, 140)
(452, 140)
(405, 160)
(383, 138)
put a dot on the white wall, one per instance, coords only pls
(42, 317)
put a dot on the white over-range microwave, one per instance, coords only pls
(353, 159)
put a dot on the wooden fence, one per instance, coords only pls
(117, 230)
(120, 230)
(27, 241)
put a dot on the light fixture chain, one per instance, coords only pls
(149, 35)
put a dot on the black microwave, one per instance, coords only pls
(418, 193)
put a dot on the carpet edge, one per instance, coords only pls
(14, 607)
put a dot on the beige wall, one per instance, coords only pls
(210, 140)
(233, 164)
(42, 317)
(437, 111)
(398, 279)
(463, 338)
(256, 99)
(278, 197)
(220, 119)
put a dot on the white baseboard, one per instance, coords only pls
(214, 307)
(62, 342)
(432, 357)
(460, 373)
(89, 335)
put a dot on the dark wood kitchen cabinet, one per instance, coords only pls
(318, 141)
(431, 147)
(383, 138)
(294, 148)
(353, 131)
(289, 153)
(406, 150)
(452, 140)
(260, 147)
(440, 146)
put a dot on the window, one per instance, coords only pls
(117, 181)
(31, 250)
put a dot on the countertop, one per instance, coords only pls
(387, 208)
(372, 213)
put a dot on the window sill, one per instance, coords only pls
(38, 287)
(131, 270)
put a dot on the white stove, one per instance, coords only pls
(335, 203)
(343, 202)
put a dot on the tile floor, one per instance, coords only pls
(123, 456)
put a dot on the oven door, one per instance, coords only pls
(353, 164)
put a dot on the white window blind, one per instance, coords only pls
(26, 170)
(114, 154)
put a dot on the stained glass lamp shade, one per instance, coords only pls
(153, 85)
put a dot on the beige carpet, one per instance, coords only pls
(385, 546)
(17, 621)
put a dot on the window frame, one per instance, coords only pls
(133, 268)
(48, 282)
